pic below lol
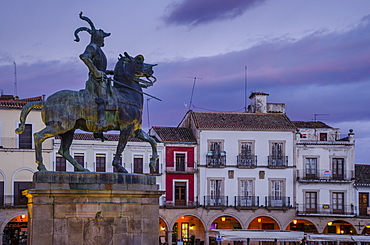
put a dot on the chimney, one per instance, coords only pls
(258, 102)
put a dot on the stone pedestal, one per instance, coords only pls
(93, 209)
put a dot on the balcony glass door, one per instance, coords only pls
(338, 168)
(363, 200)
(215, 191)
(311, 202)
(277, 193)
(277, 154)
(338, 202)
(180, 193)
(311, 168)
(246, 193)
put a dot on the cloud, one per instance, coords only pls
(35, 79)
(195, 12)
(323, 72)
(320, 73)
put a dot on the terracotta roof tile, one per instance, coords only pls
(302, 124)
(90, 136)
(362, 174)
(242, 120)
(19, 103)
(175, 134)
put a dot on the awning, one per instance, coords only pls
(253, 235)
(361, 238)
(326, 237)
(340, 238)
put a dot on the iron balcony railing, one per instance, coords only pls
(216, 201)
(277, 201)
(248, 161)
(277, 161)
(246, 201)
(216, 159)
(13, 201)
(325, 209)
(325, 175)
(177, 204)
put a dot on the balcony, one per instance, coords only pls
(180, 169)
(325, 209)
(181, 204)
(277, 202)
(216, 201)
(246, 161)
(325, 175)
(216, 159)
(277, 161)
(246, 201)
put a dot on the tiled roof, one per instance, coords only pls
(242, 120)
(302, 124)
(175, 134)
(362, 174)
(90, 136)
(18, 103)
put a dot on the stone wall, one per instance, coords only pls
(93, 208)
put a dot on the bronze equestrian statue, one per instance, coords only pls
(95, 59)
(65, 111)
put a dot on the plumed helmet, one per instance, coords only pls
(92, 31)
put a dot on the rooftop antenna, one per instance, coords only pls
(315, 116)
(192, 91)
(15, 80)
(245, 89)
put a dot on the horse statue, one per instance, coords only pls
(65, 111)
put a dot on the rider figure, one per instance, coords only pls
(96, 61)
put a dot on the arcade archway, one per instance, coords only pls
(188, 229)
(16, 231)
(339, 227)
(162, 231)
(263, 223)
(302, 225)
(225, 222)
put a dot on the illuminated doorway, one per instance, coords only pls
(339, 227)
(302, 225)
(188, 229)
(263, 223)
(16, 231)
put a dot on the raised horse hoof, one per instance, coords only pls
(152, 166)
(19, 130)
(120, 169)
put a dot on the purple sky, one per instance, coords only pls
(314, 56)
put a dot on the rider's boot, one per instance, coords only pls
(102, 124)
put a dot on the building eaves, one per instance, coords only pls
(175, 134)
(346, 143)
(318, 124)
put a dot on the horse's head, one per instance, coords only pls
(136, 69)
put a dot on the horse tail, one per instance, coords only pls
(25, 111)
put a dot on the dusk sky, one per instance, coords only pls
(314, 56)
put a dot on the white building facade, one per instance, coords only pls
(254, 170)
